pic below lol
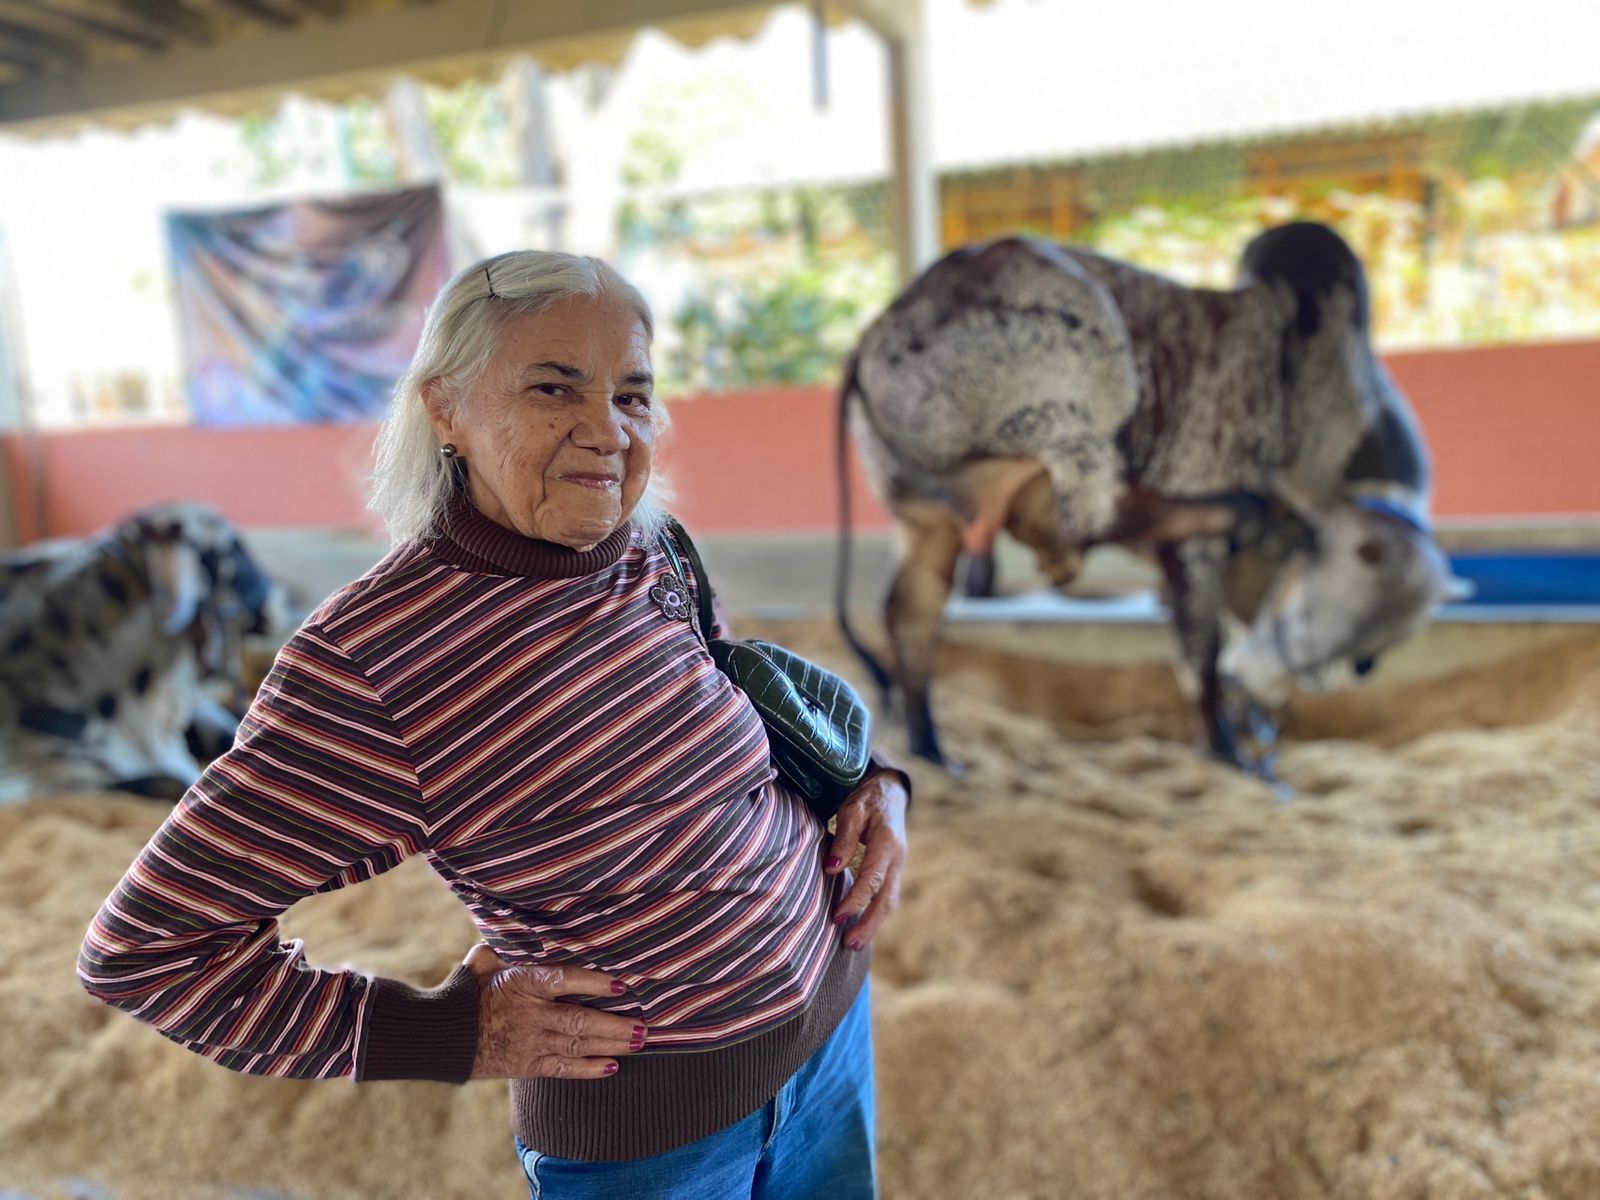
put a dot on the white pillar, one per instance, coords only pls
(416, 148)
(913, 184)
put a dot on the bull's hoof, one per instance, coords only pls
(930, 752)
(980, 576)
(1262, 765)
(1245, 735)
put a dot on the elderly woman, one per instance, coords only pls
(672, 974)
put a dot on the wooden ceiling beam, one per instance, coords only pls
(364, 49)
(178, 18)
(265, 12)
(20, 45)
(114, 20)
(81, 20)
(22, 14)
(318, 8)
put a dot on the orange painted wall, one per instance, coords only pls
(746, 462)
(1515, 431)
(263, 477)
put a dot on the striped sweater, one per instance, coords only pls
(543, 726)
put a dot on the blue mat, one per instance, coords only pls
(1531, 577)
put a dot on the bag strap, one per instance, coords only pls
(675, 533)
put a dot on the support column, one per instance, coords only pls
(913, 184)
(18, 480)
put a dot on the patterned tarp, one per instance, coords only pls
(307, 311)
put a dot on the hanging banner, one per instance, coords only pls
(307, 311)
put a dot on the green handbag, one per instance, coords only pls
(817, 726)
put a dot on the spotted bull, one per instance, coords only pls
(1074, 400)
(122, 665)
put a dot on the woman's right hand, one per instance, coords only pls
(525, 1032)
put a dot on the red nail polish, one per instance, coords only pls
(832, 864)
(617, 987)
(841, 919)
(611, 1069)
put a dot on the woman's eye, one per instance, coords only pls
(549, 389)
(634, 401)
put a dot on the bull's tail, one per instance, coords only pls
(841, 581)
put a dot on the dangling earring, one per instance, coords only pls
(448, 450)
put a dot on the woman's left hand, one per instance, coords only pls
(873, 817)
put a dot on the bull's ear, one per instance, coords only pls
(175, 577)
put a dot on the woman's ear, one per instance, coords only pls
(441, 413)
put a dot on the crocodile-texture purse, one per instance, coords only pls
(817, 725)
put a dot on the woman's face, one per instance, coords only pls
(557, 433)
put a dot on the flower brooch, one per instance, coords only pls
(670, 600)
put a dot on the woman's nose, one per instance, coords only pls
(601, 428)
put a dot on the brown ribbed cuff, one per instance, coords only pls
(421, 1033)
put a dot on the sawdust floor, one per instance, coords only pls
(1119, 971)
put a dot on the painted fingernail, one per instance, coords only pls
(855, 943)
(617, 987)
(637, 1039)
(611, 1069)
(841, 919)
(833, 863)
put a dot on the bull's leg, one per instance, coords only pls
(1195, 574)
(931, 544)
(980, 572)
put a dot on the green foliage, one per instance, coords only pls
(277, 148)
(784, 281)
(473, 128)
(260, 136)
(368, 152)
(741, 333)
(652, 159)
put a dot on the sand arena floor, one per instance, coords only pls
(1120, 971)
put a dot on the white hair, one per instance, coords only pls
(412, 482)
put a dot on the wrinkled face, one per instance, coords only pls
(1368, 582)
(557, 434)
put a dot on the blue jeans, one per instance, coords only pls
(813, 1139)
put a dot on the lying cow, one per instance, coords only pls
(122, 658)
(1075, 400)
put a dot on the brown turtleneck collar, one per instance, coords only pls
(466, 538)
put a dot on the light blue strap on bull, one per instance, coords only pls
(1399, 512)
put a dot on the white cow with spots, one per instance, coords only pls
(122, 665)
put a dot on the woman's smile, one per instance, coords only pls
(591, 479)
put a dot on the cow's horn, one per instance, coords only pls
(1299, 501)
